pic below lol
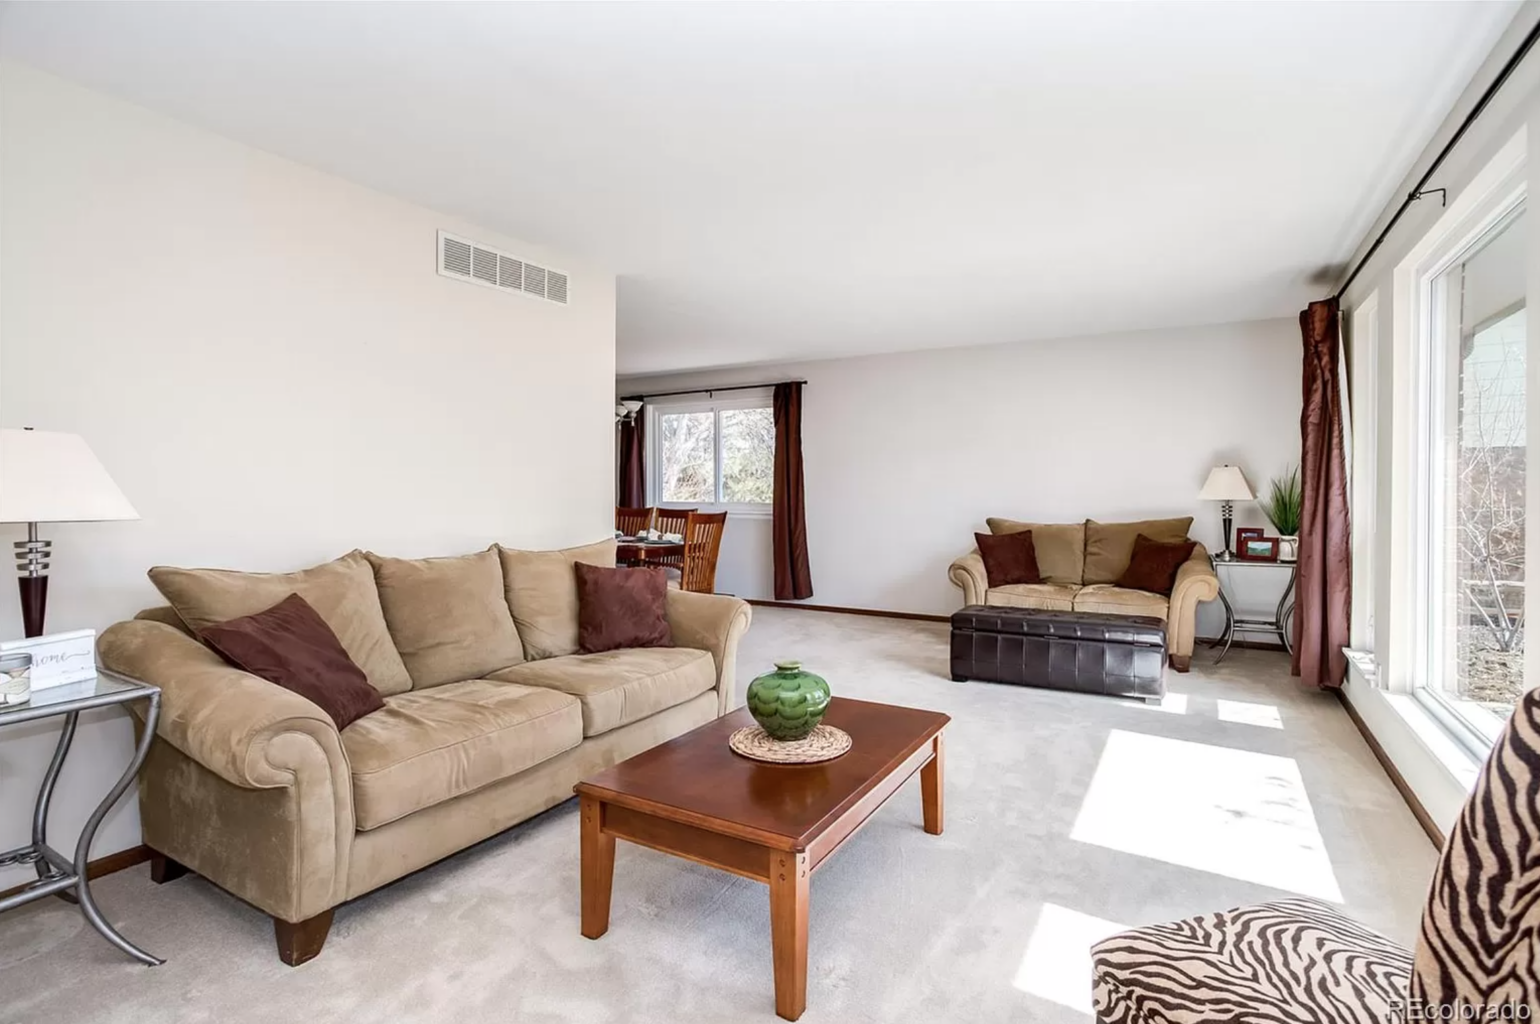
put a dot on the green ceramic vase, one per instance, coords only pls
(788, 703)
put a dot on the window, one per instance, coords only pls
(712, 453)
(1471, 475)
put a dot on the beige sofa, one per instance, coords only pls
(490, 717)
(1080, 562)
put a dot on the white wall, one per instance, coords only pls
(266, 362)
(907, 454)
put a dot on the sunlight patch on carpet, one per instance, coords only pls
(1171, 704)
(1233, 812)
(1057, 963)
(1247, 713)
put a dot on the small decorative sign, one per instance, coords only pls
(58, 658)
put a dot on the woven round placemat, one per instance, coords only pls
(824, 743)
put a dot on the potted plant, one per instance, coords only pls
(1284, 506)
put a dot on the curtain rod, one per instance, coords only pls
(707, 391)
(1417, 191)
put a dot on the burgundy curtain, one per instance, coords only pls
(1325, 583)
(793, 579)
(631, 485)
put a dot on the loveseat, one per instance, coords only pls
(1080, 564)
(490, 716)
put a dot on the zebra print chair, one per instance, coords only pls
(1299, 961)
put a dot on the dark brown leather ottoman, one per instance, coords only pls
(1117, 655)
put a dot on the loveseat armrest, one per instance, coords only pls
(713, 623)
(248, 731)
(1196, 581)
(968, 572)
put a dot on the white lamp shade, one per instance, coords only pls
(49, 477)
(1226, 483)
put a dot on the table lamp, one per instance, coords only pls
(48, 477)
(1227, 485)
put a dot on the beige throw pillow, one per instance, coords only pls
(541, 588)
(342, 592)
(1060, 547)
(1110, 546)
(448, 616)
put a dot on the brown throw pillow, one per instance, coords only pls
(289, 644)
(1009, 558)
(621, 608)
(1154, 565)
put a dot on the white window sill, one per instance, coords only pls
(1432, 742)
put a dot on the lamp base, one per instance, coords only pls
(32, 559)
(34, 600)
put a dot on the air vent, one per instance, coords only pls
(465, 260)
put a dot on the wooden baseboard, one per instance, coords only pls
(1396, 778)
(919, 616)
(100, 866)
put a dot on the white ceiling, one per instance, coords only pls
(786, 181)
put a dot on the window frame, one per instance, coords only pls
(759, 398)
(1497, 195)
(1363, 494)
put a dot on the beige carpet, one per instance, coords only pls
(1066, 816)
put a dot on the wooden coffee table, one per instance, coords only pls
(696, 799)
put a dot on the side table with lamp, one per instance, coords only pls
(48, 477)
(1226, 484)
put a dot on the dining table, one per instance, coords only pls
(638, 551)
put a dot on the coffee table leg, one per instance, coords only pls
(932, 778)
(598, 869)
(788, 931)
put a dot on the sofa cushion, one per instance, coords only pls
(429, 746)
(1111, 600)
(620, 608)
(1009, 558)
(342, 592)
(447, 616)
(542, 594)
(1051, 596)
(1110, 546)
(1060, 547)
(620, 687)
(1155, 565)
(293, 647)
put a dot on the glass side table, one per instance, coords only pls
(1283, 614)
(58, 875)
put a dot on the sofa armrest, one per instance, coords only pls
(254, 792)
(1196, 581)
(714, 623)
(246, 730)
(968, 572)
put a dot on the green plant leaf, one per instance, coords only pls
(1284, 505)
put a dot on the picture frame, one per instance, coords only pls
(1245, 533)
(1257, 549)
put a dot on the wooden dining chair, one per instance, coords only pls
(633, 521)
(672, 520)
(702, 541)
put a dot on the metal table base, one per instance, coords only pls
(58, 875)
(1278, 625)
